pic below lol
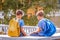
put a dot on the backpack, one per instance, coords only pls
(14, 28)
(50, 28)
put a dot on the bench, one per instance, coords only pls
(28, 30)
(6, 37)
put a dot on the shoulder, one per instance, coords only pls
(21, 21)
(42, 21)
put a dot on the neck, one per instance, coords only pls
(18, 18)
(41, 18)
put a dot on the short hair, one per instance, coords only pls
(19, 12)
(40, 14)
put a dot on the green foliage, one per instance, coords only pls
(31, 21)
(48, 5)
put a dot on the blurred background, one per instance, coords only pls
(30, 7)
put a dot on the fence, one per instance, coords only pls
(28, 30)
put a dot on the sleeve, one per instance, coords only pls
(21, 23)
(42, 25)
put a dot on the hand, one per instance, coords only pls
(33, 33)
(26, 35)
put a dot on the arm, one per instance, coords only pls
(22, 30)
(38, 30)
(40, 26)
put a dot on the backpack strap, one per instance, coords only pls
(15, 19)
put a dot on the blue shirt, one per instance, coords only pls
(42, 25)
(21, 23)
(47, 27)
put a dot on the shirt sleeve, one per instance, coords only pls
(21, 23)
(42, 25)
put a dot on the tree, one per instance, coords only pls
(48, 6)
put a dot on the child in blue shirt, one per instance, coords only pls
(44, 29)
(19, 15)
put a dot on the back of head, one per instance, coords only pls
(18, 12)
(40, 13)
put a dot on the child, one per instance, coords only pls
(19, 15)
(45, 26)
(16, 25)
